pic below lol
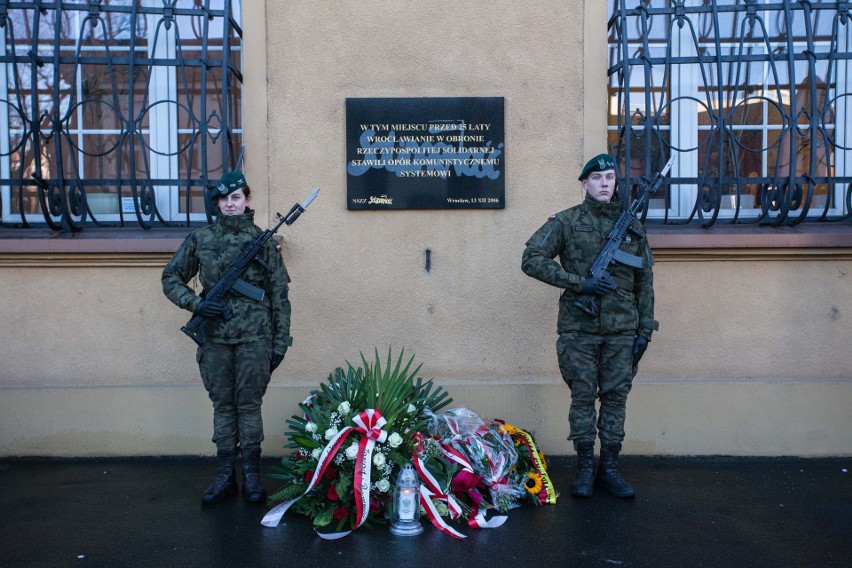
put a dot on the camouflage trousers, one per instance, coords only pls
(596, 367)
(236, 377)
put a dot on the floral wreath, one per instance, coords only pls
(364, 424)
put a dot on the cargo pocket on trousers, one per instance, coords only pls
(565, 367)
(199, 358)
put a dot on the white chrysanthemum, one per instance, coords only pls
(383, 485)
(379, 459)
(330, 433)
(344, 407)
(394, 440)
(311, 427)
(316, 453)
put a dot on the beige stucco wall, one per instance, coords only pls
(462, 318)
(752, 356)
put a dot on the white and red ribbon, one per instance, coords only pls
(428, 505)
(368, 423)
(434, 488)
(477, 520)
(430, 489)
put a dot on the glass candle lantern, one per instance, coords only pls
(406, 503)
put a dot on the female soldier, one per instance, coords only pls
(245, 339)
(598, 354)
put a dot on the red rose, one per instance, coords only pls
(329, 473)
(332, 494)
(340, 513)
(308, 476)
(375, 506)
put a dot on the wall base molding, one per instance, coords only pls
(712, 417)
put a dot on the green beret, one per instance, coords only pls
(230, 182)
(599, 163)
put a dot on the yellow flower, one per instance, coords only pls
(533, 483)
(543, 461)
(510, 430)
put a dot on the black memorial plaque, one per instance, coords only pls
(425, 153)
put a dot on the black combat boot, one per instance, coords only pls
(608, 476)
(583, 485)
(225, 483)
(253, 491)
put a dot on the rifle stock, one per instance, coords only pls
(194, 328)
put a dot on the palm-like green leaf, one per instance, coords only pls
(392, 389)
(434, 401)
(388, 386)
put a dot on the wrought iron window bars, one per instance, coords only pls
(116, 113)
(753, 96)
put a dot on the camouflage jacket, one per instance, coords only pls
(208, 252)
(576, 235)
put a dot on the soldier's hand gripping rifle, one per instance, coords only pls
(611, 251)
(232, 278)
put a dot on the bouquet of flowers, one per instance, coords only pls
(360, 428)
(490, 451)
(504, 459)
(530, 471)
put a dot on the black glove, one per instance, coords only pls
(276, 360)
(639, 347)
(210, 308)
(598, 286)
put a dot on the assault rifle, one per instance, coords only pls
(611, 251)
(232, 280)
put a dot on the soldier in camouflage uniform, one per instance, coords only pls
(597, 355)
(238, 354)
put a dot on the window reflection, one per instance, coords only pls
(746, 93)
(114, 99)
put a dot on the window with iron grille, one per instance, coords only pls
(751, 96)
(116, 112)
